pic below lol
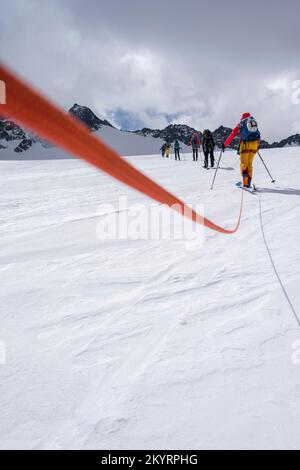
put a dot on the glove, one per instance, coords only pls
(223, 147)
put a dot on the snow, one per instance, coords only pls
(128, 143)
(36, 152)
(148, 344)
(125, 143)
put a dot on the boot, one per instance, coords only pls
(245, 179)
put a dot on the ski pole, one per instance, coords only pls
(272, 179)
(216, 170)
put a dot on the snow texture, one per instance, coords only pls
(146, 344)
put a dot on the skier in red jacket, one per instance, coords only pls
(195, 142)
(248, 131)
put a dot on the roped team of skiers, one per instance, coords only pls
(248, 132)
(166, 149)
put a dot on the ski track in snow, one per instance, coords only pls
(147, 344)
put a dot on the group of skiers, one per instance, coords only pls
(246, 129)
(208, 145)
(166, 149)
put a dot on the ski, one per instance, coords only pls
(251, 190)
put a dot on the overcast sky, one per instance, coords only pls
(150, 63)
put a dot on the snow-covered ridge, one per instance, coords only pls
(292, 141)
(21, 140)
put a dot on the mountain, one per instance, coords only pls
(184, 133)
(221, 134)
(87, 116)
(292, 141)
(181, 132)
(11, 132)
(124, 143)
(12, 135)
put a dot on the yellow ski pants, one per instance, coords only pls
(247, 154)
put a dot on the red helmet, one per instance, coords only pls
(245, 115)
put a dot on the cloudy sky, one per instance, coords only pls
(155, 62)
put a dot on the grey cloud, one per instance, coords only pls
(205, 62)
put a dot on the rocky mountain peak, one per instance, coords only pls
(86, 115)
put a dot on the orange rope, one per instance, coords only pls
(27, 107)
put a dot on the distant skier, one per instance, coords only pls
(195, 142)
(248, 131)
(163, 149)
(208, 145)
(168, 149)
(177, 149)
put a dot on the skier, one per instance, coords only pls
(168, 149)
(163, 149)
(177, 149)
(247, 128)
(208, 145)
(195, 142)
